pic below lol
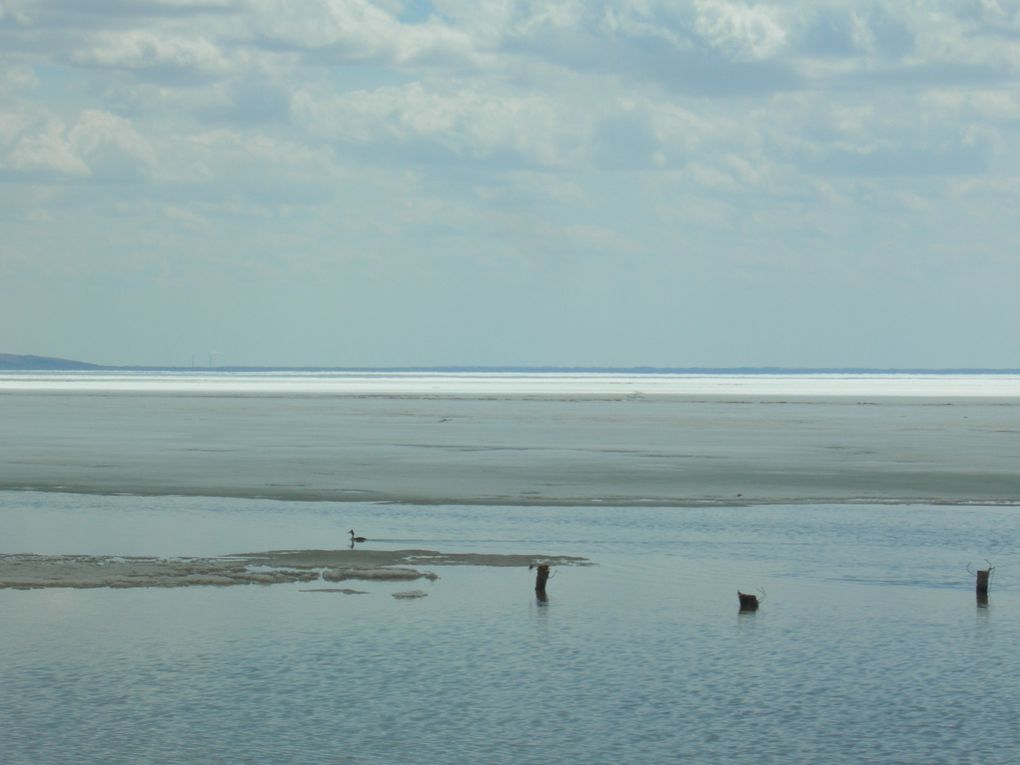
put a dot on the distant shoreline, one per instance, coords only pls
(30, 363)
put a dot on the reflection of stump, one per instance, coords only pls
(748, 602)
(982, 583)
(541, 578)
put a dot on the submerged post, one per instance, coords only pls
(747, 602)
(982, 578)
(982, 582)
(540, 578)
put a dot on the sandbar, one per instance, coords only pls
(650, 450)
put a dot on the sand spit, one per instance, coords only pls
(410, 594)
(377, 575)
(27, 571)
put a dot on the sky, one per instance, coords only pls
(721, 183)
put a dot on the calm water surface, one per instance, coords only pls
(869, 647)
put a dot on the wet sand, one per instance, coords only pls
(515, 450)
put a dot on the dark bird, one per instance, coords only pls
(356, 539)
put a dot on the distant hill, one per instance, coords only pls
(10, 361)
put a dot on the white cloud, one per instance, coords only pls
(360, 26)
(144, 49)
(12, 127)
(200, 5)
(746, 32)
(48, 150)
(721, 131)
(15, 11)
(98, 144)
(111, 144)
(997, 106)
(470, 122)
(16, 80)
(356, 30)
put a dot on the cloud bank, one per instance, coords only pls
(339, 182)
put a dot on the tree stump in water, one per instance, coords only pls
(983, 576)
(540, 578)
(747, 602)
(982, 583)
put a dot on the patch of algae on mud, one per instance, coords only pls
(29, 571)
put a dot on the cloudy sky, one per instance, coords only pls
(633, 182)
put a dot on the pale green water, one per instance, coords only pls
(869, 647)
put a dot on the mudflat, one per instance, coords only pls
(28, 571)
(534, 450)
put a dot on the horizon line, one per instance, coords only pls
(19, 362)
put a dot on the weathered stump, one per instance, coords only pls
(748, 602)
(982, 583)
(541, 578)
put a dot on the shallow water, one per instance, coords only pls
(869, 647)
